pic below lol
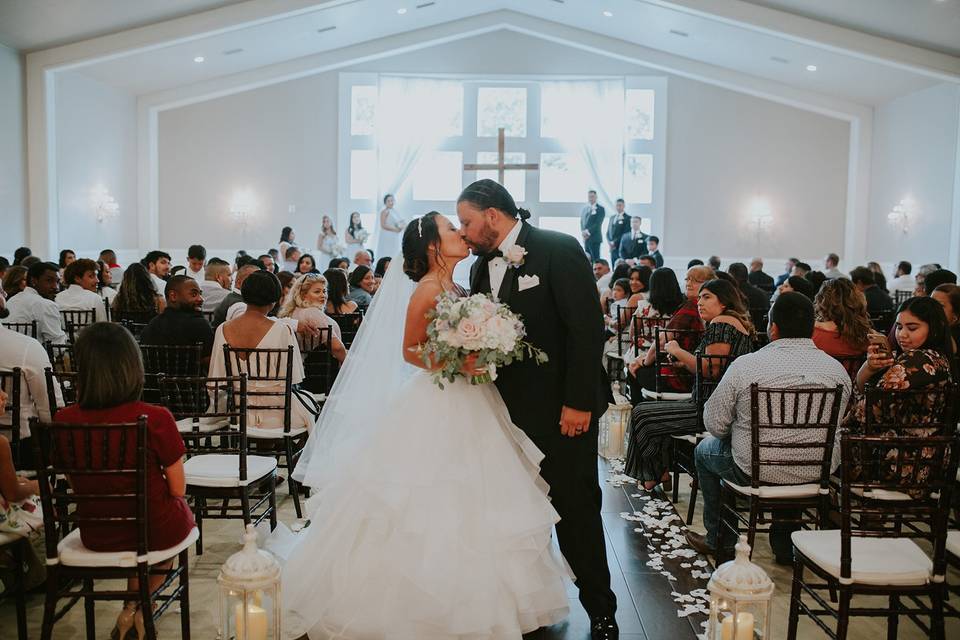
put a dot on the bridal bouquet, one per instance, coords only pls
(460, 327)
(361, 235)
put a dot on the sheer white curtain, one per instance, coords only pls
(410, 117)
(589, 119)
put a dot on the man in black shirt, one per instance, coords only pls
(878, 300)
(758, 278)
(181, 323)
(757, 299)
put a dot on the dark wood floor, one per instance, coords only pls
(645, 607)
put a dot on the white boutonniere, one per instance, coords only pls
(515, 256)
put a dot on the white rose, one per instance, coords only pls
(515, 254)
(470, 334)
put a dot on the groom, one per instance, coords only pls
(546, 278)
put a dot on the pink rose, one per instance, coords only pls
(469, 333)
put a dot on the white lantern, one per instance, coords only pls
(250, 594)
(741, 598)
(615, 429)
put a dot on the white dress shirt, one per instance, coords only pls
(76, 298)
(159, 284)
(238, 308)
(905, 282)
(604, 282)
(498, 266)
(196, 275)
(28, 305)
(18, 350)
(213, 295)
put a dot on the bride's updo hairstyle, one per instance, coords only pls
(490, 194)
(420, 238)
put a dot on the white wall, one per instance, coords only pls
(915, 156)
(723, 149)
(13, 187)
(96, 145)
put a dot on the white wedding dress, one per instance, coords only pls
(429, 518)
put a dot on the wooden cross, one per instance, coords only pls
(501, 166)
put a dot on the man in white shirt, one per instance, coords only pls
(36, 303)
(601, 271)
(216, 284)
(830, 264)
(158, 265)
(80, 277)
(25, 353)
(903, 280)
(196, 261)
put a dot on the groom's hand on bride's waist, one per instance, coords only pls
(574, 422)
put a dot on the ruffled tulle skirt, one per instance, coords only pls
(441, 528)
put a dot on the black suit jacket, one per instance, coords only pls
(657, 258)
(593, 222)
(563, 318)
(220, 313)
(615, 229)
(633, 249)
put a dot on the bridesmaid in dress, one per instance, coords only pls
(391, 226)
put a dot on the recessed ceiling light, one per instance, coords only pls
(608, 14)
(325, 29)
(199, 59)
(401, 10)
(682, 34)
(230, 52)
(811, 67)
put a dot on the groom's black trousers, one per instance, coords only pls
(570, 468)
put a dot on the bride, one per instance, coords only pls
(429, 519)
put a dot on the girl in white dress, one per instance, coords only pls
(429, 519)
(328, 244)
(391, 226)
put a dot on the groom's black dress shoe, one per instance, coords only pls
(604, 628)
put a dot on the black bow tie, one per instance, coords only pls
(496, 253)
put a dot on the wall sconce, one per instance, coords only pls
(901, 214)
(760, 216)
(242, 208)
(104, 205)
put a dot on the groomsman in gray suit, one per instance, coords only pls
(591, 225)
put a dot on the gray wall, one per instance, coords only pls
(13, 172)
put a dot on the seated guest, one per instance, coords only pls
(306, 265)
(81, 280)
(67, 257)
(14, 281)
(647, 261)
(878, 300)
(694, 262)
(110, 257)
(620, 292)
(791, 263)
(4, 265)
(936, 278)
(653, 250)
(137, 295)
(362, 287)
(181, 323)
(815, 278)
(105, 288)
(291, 259)
(729, 333)
(337, 289)
(620, 272)
(254, 329)
(158, 266)
(196, 261)
(286, 283)
(902, 280)
(215, 285)
(830, 264)
(269, 264)
(361, 259)
(36, 303)
(948, 295)
(110, 395)
(757, 299)
(21, 254)
(234, 296)
(842, 323)
(795, 283)
(758, 278)
(639, 285)
(601, 273)
(339, 263)
(791, 360)
(380, 270)
(801, 269)
(307, 303)
(919, 278)
(878, 277)
(714, 263)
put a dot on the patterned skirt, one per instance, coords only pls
(651, 426)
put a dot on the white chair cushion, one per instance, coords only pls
(876, 561)
(778, 491)
(259, 433)
(880, 494)
(953, 542)
(204, 425)
(72, 553)
(223, 470)
(665, 395)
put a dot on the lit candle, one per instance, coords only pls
(744, 627)
(256, 619)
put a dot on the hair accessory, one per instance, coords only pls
(420, 226)
(523, 213)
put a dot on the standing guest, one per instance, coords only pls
(639, 285)
(355, 234)
(21, 254)
(757, 299)
(362, 287)
(601, 271)
(215, 285)
(328, 244)
(287, 241)
(137, 294)
(291, 259)
(67, 257)
(791, 360)
(234, 296)
(181, 323)
(196, 261)
(729, 333)
(337, 289)
(111, 395)
(392, 225)
(591, 225)
(878, 300)
(902, 280)
(948, 295)
(634, 243)
(653, 250)
(361, 259)
(36, 303)
(307, 303)
(380, 270)
(307, 264)
(269, 264)
(830, 267)
(936, 278)
(81, 280)
(14, 281)
(758, 278)
(110, 257)
(843, 324)
(618, 226)
(714, 263)
(878, 277)
(158, 266)
(788, 271)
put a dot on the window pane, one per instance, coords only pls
(363, 110)
(502, 107)
(563, 178)
(446, 109)
(438, 176)
(638, 178)
(639, 113)
(554, 114)
(515, 181)
(363, 174)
